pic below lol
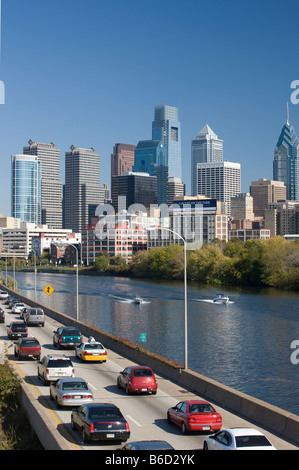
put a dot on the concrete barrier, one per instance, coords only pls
(276, 420)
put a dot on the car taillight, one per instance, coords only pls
(127, 426)
(103, 353)
(73, 371)
(86, 353)
(191, 420)
(60, 339)
(47, 371)
(219, 419)
(67, 397)
(81, 339)
(86, 397)
(91, 429)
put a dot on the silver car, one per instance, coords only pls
(34, 316)
(53, 367)
(71, 392)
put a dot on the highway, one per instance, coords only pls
(146, 414)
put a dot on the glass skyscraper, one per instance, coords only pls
(285, 165)
(150, 157)
(167, 129)
(26, 188)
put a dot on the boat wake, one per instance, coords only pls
(211, 301)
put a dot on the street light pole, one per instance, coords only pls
(77, 281)
(185, 292)
(34, 274)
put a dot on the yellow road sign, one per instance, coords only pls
(48, 289)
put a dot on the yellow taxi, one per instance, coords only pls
(91, 350)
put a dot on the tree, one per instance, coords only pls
(102, 261)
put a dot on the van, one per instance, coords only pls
(34, 316)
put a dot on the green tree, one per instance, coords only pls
(102, 261)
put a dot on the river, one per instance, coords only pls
(245, 344)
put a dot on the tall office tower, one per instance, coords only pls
(265, 192)
(51, 186)
(220, 180)
(242, 207)
(206, 148)
(175, 189)
(133, 188)
(122, 159)
(167, 128)
(26, 188)
(150, 157)
(82, 187)
(286, 165)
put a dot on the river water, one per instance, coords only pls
(245, 344)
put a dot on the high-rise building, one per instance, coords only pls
(206, 148)
(122, 159)
(167, 129)
(82, 187)
(26, 188)
(133, 188)
(242, 207)
(175, 189)
(150, 157)
(51, 186)
(220, 180)
(265, 192)
(286, 164)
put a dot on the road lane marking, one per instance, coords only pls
(92, 386)
(134, 421)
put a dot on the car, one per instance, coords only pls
(3, 295)
(34, 316)
(23, 312)
(100, 422)
(67, 337)
(12, 301)
(8, 299)
(147, 445)
(18, 307)
(137, 379)
(2, 316)
(195, 415)
(53, 367)
(17, 329)
(27, 347)
(92, 350)
(237, 439)
(71, 392)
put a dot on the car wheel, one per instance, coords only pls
(73, 424)
(205, 446)
(45, 382)
(118, 383)
(83, 435)
(16, 353)
(184, 429)
(169, 419)
(51, 396)
(127, 390)
(57, 404)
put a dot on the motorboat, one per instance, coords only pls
(138, 300)
(221, 299)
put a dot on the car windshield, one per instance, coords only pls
(103, 413)
(29, 343)
(71, 332)
(18, 326)
(142, 373)
(74, 386)
(201, 408)
(93, 346)
(252, 441)
(59, 363)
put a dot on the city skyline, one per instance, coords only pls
(73, 96)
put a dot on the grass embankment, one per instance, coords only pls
(15, 430)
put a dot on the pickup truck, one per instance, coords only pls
(17, 329)
(67, 337)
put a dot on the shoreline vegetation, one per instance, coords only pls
(253, 263)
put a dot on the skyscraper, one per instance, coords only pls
(265, 192)
(122, 159)
(82, 187)
(206, 148)
(150, 157)
(26, 188)
(167, 129)
(51, 186)
(220, 180)
(285, 165)
(136, 188)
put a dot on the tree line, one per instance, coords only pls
(259, 263)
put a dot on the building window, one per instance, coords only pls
(174, 134)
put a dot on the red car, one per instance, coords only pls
(137, 379)
(28, 347)
(195, 415)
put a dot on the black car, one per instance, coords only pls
(100, 421)
(2, 316)
(147, 445)
(17, 329)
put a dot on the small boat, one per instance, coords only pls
(138, 300)
(221, 299)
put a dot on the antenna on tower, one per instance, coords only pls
(288, 114)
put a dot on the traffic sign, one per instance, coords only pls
(142, 337)
(48, 289)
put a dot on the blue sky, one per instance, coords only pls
(90, 73)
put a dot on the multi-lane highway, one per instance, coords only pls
(146, 414)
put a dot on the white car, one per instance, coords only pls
(17, 308)
(237, 439)
(3, 295)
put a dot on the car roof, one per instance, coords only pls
(72, 379)
(196, 402)
(143, 445)
(140, 367)
(244, 432)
